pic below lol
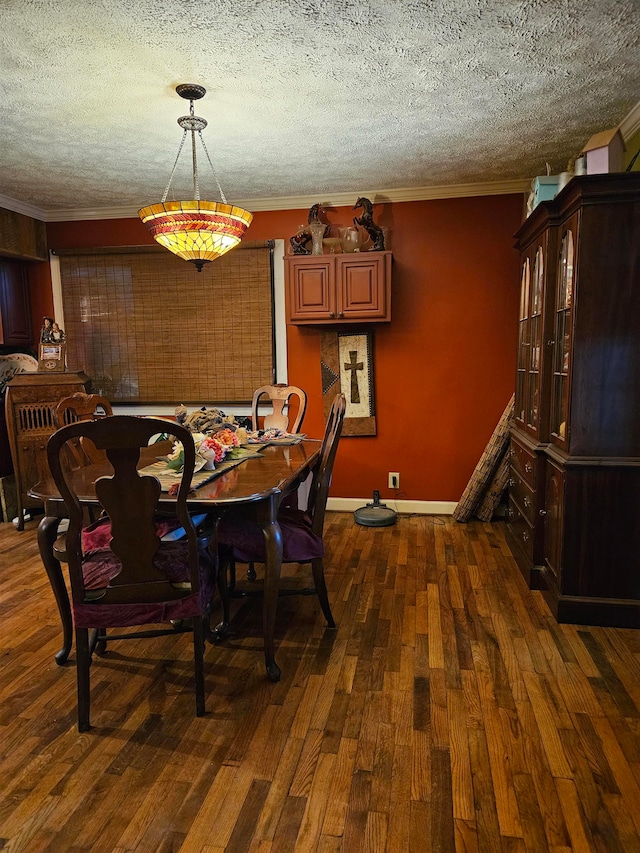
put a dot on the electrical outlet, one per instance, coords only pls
(394, 480)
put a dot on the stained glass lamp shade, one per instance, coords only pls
(195, 230)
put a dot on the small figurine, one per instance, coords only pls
(366, 221)
(47, 329)
(57, 334)
(299, 242)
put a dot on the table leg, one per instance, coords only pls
(268, 520)
(47, 533)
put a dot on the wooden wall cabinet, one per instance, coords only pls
(577, 404)
(334, 289)
(22, 236)
(31, 399)
(15, 304)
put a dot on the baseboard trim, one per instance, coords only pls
(404, 507)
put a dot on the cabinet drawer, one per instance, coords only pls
(524, 462)
(522, 494)
(520, 529)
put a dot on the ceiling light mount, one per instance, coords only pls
(195, 230)
(191, 91)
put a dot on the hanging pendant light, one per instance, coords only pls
(195, 230)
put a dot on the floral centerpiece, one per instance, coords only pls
(210, 449)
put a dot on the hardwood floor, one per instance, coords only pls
(448, 712)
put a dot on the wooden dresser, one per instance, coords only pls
(574, 490)
(31, 399)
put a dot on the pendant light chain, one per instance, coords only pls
(173, 171)
(215, 175)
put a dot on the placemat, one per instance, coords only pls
(168, 478)
(289, 439)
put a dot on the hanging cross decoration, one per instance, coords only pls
(353, 366)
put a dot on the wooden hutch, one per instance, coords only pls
(574, 491)
(31, 400)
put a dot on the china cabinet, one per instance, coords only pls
(573, 523)
(343, 288)
(536, 241)
(31, 399)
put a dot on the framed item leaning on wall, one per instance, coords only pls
(52, 357)
(346, 363)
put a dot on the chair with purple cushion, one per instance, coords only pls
(134, 578)
(241, 539)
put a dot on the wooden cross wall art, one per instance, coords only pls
(346, 363)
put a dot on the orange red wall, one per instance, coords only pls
(443, 368)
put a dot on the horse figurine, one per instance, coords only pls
(366, 221)
(300, 240)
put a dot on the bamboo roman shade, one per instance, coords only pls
(147, 328)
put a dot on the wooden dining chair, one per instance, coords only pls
(279, 397)
(242, 540)
(81, 407)
(134, 578)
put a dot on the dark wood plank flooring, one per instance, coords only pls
(448, 712)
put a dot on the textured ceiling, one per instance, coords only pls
(304, 97)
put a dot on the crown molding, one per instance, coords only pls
(21, 207)
(302, 202)
(630, 124)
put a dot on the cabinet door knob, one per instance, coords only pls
(341, 314)
(550, 343)
(332, 314)
(542, 512)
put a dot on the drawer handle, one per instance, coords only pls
(542, 512)
(510, 513)
(550, 343)
(525, 536)
(527, 500)
(528, 467)
(512, 482)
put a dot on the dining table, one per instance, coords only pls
(255, 488)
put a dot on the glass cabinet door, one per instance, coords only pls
(562, 338)
(535, 343)
(523, 342)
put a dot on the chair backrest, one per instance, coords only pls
(280, 396)
(81, 407)
(319, 491)
(131, 502)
